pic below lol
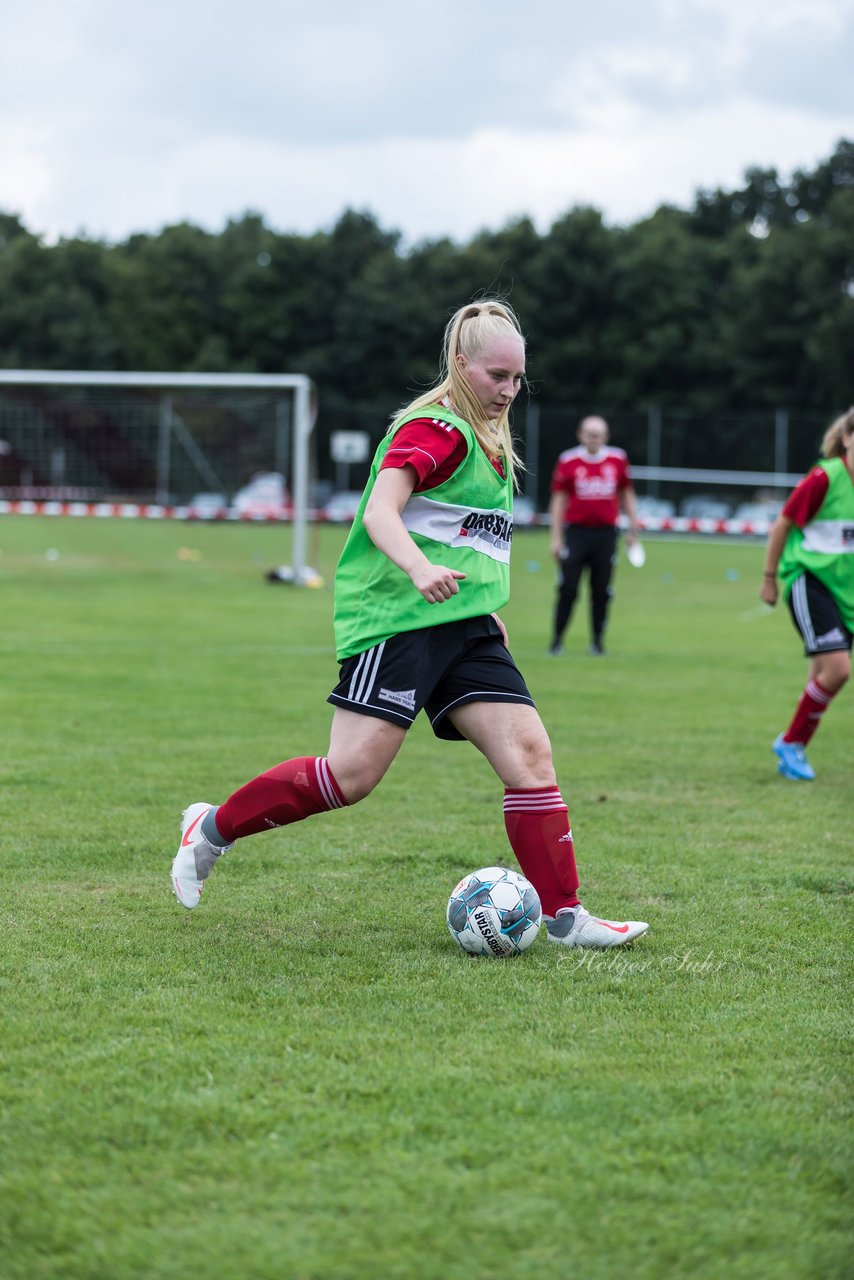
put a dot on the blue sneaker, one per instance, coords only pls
(793, 760)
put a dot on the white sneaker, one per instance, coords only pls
(194, 859)
(576, 927)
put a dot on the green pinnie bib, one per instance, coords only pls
(825, 546)
(465, 523)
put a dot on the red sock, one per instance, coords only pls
(812, 706)
(538, 829)
(290, 792)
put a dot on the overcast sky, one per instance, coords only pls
(440, 118)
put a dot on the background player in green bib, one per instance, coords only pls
(425, 567)
(811, 549)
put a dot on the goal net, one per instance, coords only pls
(159, 441)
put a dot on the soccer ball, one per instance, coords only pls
(494, 912)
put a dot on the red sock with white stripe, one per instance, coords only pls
(290, 792)
(812, 706)
(537, 823)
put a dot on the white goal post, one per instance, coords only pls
(304, 415)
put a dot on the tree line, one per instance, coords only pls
(746, 299)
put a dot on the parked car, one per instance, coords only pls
(265, 497)
(208, 506)
(703, 506)
(342, 507)
(654, 508)
(524, 513)
(762, 513)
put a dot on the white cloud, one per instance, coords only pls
(120, 120)
(26, 176)
(427, 188)
(749, 18)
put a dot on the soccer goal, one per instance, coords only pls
(170, 444)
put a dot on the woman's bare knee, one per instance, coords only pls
(361, 749)
(513, 738)
(528, 762)
(535, 763)
(832, 670)
(355, 779)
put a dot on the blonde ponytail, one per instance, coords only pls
(833, 444)
(467, 333)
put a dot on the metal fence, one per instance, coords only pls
(675, 454)
(150, 444)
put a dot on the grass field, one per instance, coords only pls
(304, 1079)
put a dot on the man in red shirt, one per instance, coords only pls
(591, 484)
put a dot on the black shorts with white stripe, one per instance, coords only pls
(435, 668)
(816, 615)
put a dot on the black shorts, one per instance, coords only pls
(816, 615)
(438, 668)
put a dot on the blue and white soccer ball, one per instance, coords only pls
(494, 912)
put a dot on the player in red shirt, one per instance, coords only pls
(821, 598)
(591, 484)
(460, 671)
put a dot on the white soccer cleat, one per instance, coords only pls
(576, 927)
(194, 859)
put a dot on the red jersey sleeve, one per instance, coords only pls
(434, 449)
(806, 498)
(561, 478)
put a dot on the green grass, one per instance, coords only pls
(304, 1078)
